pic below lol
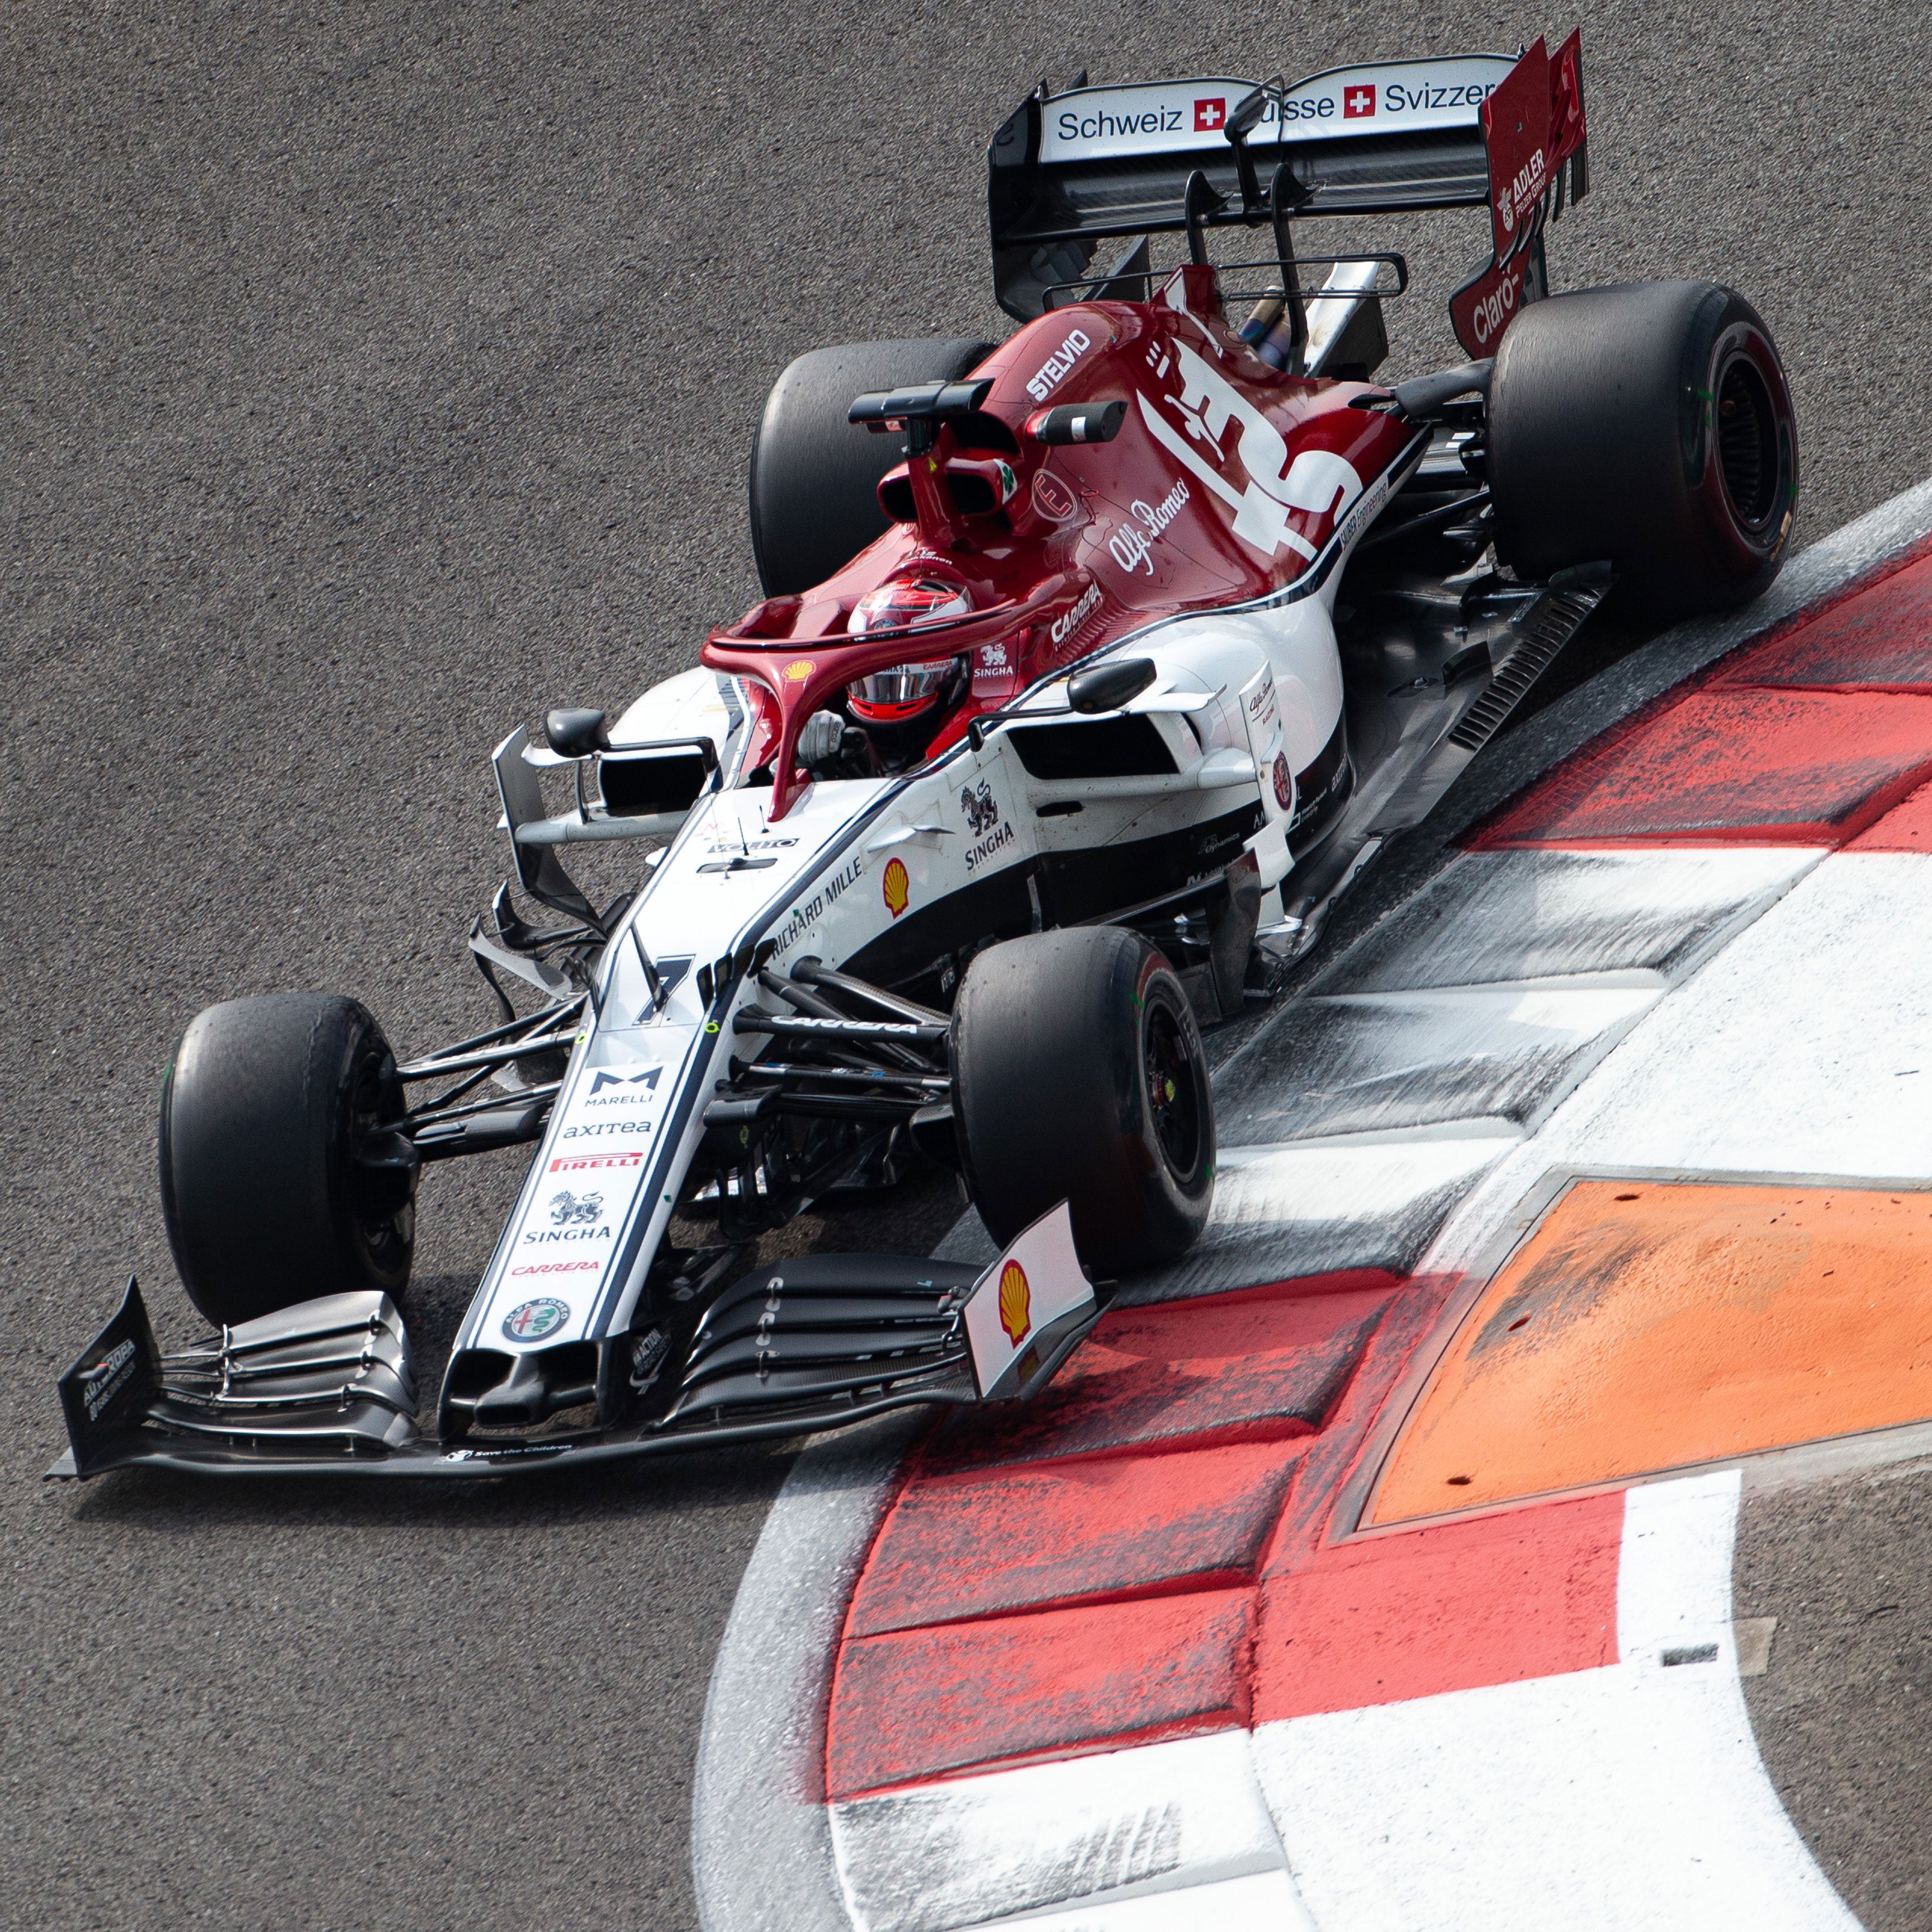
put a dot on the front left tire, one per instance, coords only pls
(283, 1177)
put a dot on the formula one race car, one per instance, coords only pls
(1092, 667)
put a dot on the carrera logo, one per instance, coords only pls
(1055, 369)
(1210, 116)
(571, 1163)
(555, 1267)
(1317, 485)
(897, 887)
(1015, 1303)
(1358, 102)
(1064, 627)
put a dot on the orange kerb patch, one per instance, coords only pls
(1644, 1326)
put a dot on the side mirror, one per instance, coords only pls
(1106, 687)
(1078, 422)
(575, 734)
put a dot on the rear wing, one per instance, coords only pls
(1067, 171)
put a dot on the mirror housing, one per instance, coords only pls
(575, 734)
(1106, 687)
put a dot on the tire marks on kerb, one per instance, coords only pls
(1516, 1720)
(1626, 1798)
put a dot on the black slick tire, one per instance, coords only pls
(1649, 424)
(273, 1112)
(815, 476)
(1079, 1075)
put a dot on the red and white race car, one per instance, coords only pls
(1092, 666)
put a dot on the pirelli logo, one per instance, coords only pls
(577, 1163)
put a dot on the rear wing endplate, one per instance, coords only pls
(1068, 170)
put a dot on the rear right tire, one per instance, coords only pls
(815, 476)
(1647, 425)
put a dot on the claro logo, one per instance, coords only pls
(1054, 370)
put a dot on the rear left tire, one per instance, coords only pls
(1079, 1075)
(275, 1113)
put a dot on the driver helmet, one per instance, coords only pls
(904, 692)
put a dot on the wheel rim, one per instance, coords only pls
(1173, 1092)
(1747, 454)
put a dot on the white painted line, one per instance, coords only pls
(1362, 1063)
(972, 1850)
(1552, 915)
(1627, 1799)
(1262, 1902)
(761, 1835)
(1315, 1207)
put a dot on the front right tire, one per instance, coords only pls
(1079, 1075)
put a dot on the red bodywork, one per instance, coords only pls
(1093, 539)
(1089, 540)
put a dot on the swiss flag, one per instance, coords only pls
(1210, 116)
(1357, 102)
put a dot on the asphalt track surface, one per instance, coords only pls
(376, 375)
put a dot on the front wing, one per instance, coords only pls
(325, 1388)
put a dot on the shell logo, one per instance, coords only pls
(1015, 1303)
(898, 888)
(798, 671)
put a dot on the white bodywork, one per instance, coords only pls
(1236, 691)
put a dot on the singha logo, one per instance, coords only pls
(567, 1208)
(981, 807)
